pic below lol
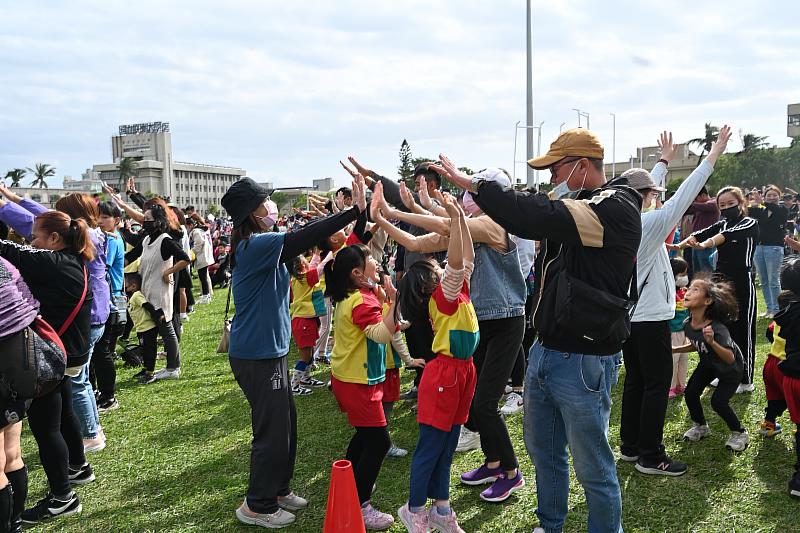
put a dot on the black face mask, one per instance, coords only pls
(731, 213)
(149, 226)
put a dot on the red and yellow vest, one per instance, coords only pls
(308, 296)
(778, 348)
(355, 358)
(393, 359)
(455, 324)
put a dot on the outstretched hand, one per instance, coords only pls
(452, 208)
(424, 197)
(448, 169)
(718, 147)
(375, 205)
(359, 193)
(406, 197)
(668, 148)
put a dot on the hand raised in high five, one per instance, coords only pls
(720, 144)
(359, 194)
(448, 169)
(377, 199)
(131, 185)
(668, 148)
(407, 197)
(359, 169)
(452, 207)
(424, 197)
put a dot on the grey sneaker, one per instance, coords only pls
(396, 452)
(445, 524)
(276, 520)
(167, 373)
(468, 440)
(697, 432)
(738, 441)
(292, 502)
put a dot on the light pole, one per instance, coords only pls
(561, 127)
(613, 145)
(578, 111)
(529, 65)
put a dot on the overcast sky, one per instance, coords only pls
(285, 90)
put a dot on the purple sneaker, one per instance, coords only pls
(503, 488)
(481, 475)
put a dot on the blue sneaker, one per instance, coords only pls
(481, 475)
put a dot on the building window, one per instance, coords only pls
(794, 120)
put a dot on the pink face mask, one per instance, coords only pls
(272, 213)
(470, 207)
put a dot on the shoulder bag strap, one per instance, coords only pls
(228, 303)
(71, 318)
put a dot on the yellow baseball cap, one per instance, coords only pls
(577, 142)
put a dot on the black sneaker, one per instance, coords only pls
(794, 485)
(107, 404)
(410, 394)
(51, 507)
(81, 475)
(628, 454)
(147, 377)
(139, 374)
(662, 467)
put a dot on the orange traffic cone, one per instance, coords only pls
(343, 514)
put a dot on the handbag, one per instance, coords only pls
(226, 327)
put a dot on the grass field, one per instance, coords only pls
(178, 453)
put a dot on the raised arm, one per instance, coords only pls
(401, 237)
(135, 214)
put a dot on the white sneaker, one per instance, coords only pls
(508, 390)
(94, 445)
(738, 441)
(168, 373)
(468, 440)
(513, 404)
(538, 530)
(276, 520)
(396, 452)
(745, 387)
(697, 432)
(205, 299)
(184, 317)
(714, 382)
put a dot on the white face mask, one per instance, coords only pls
(681, 281)
(562, 190)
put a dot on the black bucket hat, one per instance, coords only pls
(242, 198)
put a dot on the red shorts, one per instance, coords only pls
(305, 331)
(363, 404)
(391, 386)
(773, 379)
(445, 392)
(791, 391)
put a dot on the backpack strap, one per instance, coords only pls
(71, 318)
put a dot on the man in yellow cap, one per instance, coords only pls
(585, 288)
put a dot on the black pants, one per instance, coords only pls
(205, 285)
(419, 337)
(518, 372)
(58, 435)
(265, 383)
(494, 358)
(648, 373)
(102, 372)
(177, 326)
(150, 346)
(366, 451)
(701, 377)
(743, 330)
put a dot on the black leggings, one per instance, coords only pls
(205, 285)
(366, 451)
(150, 344)
(518, 372)
(102, 372)
(58, 435)
(701, 377)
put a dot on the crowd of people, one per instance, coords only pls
(502, 301)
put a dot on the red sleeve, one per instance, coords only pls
(367, 313)
(444, 305)
(352, 239)
(312, 277)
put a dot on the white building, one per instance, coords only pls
(150, 146)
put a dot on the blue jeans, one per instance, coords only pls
(768, 263)
(568, 403)
(430, 466)
(703, 260)
(83, 400)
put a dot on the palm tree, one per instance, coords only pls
(126, 168)
(15, 176)
(41, 171)
(705, 142)
(751, 141)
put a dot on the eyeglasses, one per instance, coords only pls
(554, 168)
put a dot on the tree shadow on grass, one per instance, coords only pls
(774, 466)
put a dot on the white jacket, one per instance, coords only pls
(657, 293)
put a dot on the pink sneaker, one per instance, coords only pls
(445, 524)
(376, 520)
(680, 389)
(414, 522)
(673, 393)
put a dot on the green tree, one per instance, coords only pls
(126, 167)
(213, 209)
(752, 142)
(406, 168)
(705, 142)
(41, 172)
(279, 198)
(15, 176)
(300, 202)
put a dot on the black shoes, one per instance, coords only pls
(52, 507)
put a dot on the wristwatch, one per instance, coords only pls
(474, 184)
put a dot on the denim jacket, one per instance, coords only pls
(498, 287)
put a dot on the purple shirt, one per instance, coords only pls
(20, 218)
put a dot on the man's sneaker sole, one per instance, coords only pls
(628, 458)
(656, 471)
(794, 492)
(506, 495)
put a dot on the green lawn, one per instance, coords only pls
(178, 453)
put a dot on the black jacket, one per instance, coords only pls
(789, 321)
(56, 279)
(594, 238)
